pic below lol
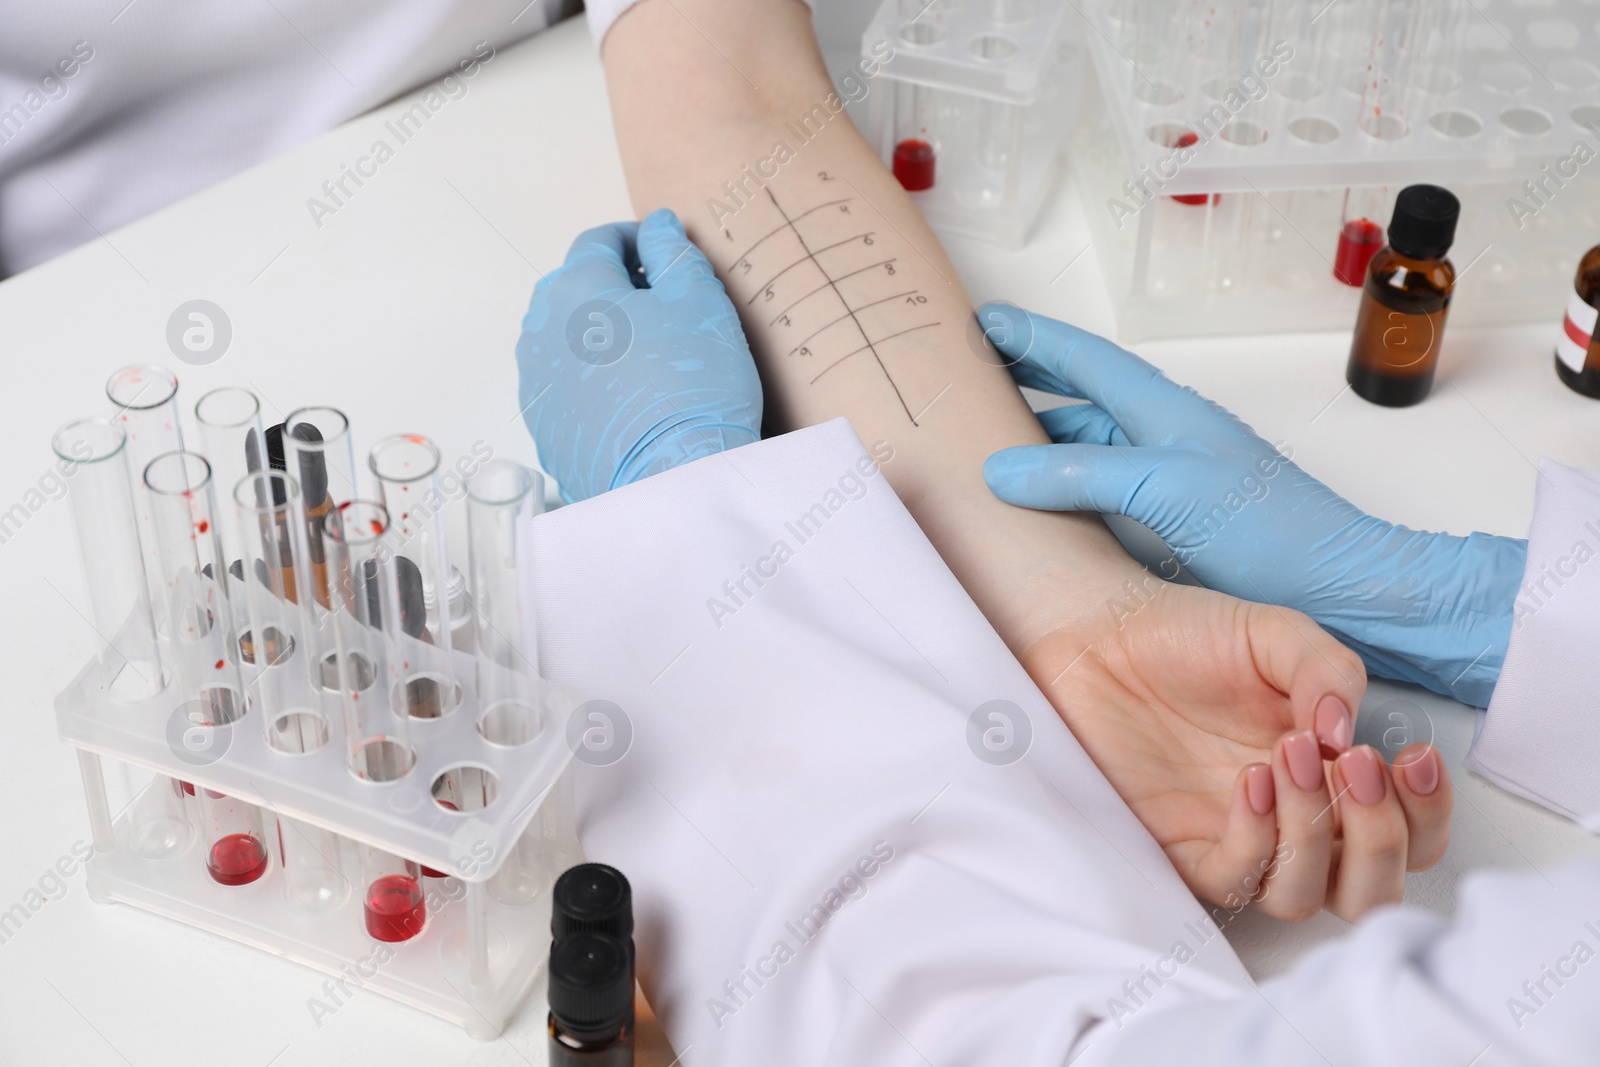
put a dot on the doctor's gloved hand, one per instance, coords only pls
(1428, 608)
(632, 360)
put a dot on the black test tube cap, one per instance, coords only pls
(592, 897)
(591, 985)
(1424, 223)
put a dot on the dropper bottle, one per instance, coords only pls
(594, 898)
(591, 1002)
(1400, 327)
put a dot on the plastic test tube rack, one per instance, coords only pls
(1378, 94)
(971, 110)
(485, 937)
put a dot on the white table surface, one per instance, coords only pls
(403, 309)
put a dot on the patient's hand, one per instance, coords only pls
(1199, 709)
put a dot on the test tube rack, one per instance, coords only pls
(476, 956)
(1498, 101)
(987, 89)
(475, 959)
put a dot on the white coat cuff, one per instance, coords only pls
(1541, 737)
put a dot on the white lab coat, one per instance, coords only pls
(834, 863)
(111, 109)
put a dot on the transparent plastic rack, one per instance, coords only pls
(304, 729)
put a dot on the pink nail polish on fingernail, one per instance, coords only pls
(1422, 773)
(1259, 790)
(1304, 758)
(1363, 773)
(1332, 720)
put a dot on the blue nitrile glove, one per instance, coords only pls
(625, 375)
(1421, 607)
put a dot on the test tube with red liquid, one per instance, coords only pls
(916, 150)
(236, 842)
(1185, 140)
(1360, 233)
(394, 907)
(204, 649)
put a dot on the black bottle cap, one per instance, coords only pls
(1424, 224)
(274, 461)
(592, 897)
(413, 609)
(313, 465)
(591, 984)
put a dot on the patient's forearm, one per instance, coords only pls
(725, 113)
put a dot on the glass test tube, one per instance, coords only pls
(359, 546)
(128, 659)
(313, 876)
(113, 563)
(318, 453)
(203, 647)
(502, 499)
(1396, 26)
(406, 467)
(192, 575)
(236, 841)
(144, 399)
(1361, 233)
(273, 533)
(230, 434)
(394, 908)
(279, 608)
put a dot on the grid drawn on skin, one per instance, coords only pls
(803, 338)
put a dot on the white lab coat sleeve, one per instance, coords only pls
(1540, 737)
(833, 861)
(858, 834)
(1514, 978)
(602, 13)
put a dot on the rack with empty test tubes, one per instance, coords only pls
(346, 754)
(1238, 162)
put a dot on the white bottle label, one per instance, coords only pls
(1576, 332)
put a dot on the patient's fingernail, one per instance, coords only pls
(1422, 773)
(1333, 724)
(1300, 752)
(1363, 773)
(1258, 789)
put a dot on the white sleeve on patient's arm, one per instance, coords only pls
(1541, 736)
(858, 834)
(602, 13)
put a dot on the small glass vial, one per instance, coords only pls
(591, 1002)
(1578, 347)
(1400, 327)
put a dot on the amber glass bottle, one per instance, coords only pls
(1395, 351)
(1578, 347)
